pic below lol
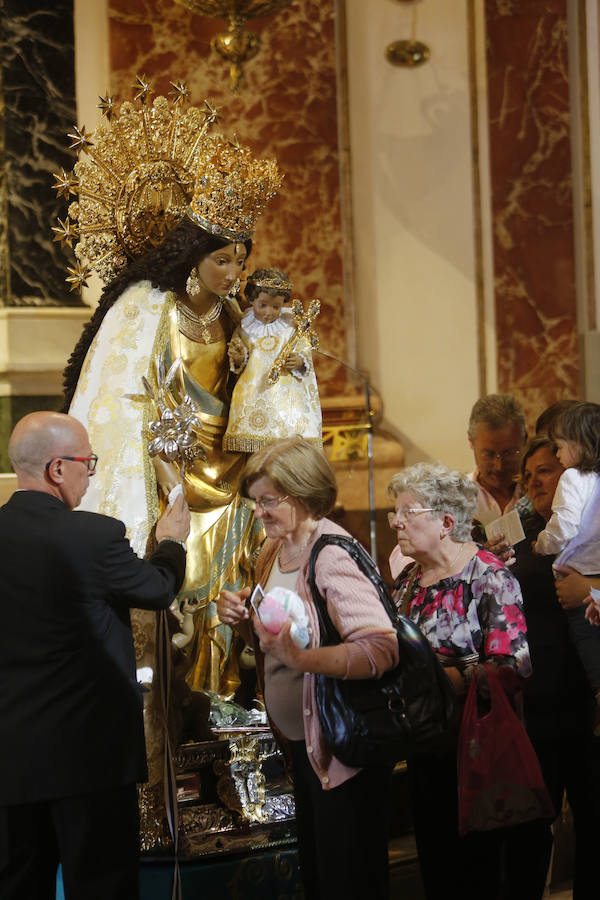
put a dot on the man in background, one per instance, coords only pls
(71, 729)
(497, 435)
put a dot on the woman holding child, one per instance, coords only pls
(169, 304)
(169, 232)
(558, 701)
(149, 376)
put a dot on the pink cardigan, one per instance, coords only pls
(359, 617)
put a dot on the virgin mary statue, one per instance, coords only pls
(165, 213)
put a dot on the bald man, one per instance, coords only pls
(71, 730)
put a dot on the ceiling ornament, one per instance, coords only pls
(236, 45)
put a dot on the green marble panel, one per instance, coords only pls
(14, 408)
(37, 109)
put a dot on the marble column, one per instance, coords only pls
(532, 200)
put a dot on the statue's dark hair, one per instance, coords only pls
(252, 290)
(166, 266)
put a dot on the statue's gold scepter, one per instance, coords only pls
(303, 323)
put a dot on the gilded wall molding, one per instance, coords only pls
(345, 167)
(4, 258)
(478, 254)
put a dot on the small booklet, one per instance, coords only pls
(509, 525)
(256, 598)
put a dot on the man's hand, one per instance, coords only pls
(572, 589)
(174, 522)
(502, 549)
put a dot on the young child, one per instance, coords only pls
(262, 411)
(573, 530)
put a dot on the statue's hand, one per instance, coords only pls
(167, 474)
(237, 354)
(294, 361)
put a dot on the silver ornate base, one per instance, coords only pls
(233, 795)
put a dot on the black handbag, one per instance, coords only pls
(379, 721)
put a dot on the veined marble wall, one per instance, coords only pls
(465, 244)
(412, 156)
(38, 107)
(286, 110)
(532, 200)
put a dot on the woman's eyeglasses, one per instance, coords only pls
(405, 515)
(268, 503)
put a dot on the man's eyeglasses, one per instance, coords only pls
(504, 456)
(405, 515)
(268, 503)
(90, 460)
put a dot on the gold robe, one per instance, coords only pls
(111, 403)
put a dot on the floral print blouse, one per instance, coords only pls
(479, 611)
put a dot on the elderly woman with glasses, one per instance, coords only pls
(558, 702)
(469, 607)
(341, 812)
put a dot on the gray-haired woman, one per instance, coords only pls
(469, 607)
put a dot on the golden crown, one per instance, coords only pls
(147, 167)
(232, 188)
(271, 282)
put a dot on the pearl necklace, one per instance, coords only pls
(194, 326)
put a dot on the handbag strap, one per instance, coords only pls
(496, 697)
(405, 591)
(328, 631)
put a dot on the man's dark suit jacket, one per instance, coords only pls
(70, 706)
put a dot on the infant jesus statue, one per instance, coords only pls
(276, 394)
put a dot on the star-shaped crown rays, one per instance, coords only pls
(66, 184)
(106, 105)
(212, 115)
(143, 88)
(78, 275)
(142, 170)
(81, 139)
(65, 232)
(180, 92)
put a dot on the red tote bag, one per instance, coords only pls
(499, 778)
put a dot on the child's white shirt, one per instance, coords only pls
(573, 494)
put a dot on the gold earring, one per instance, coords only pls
(193, 285)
